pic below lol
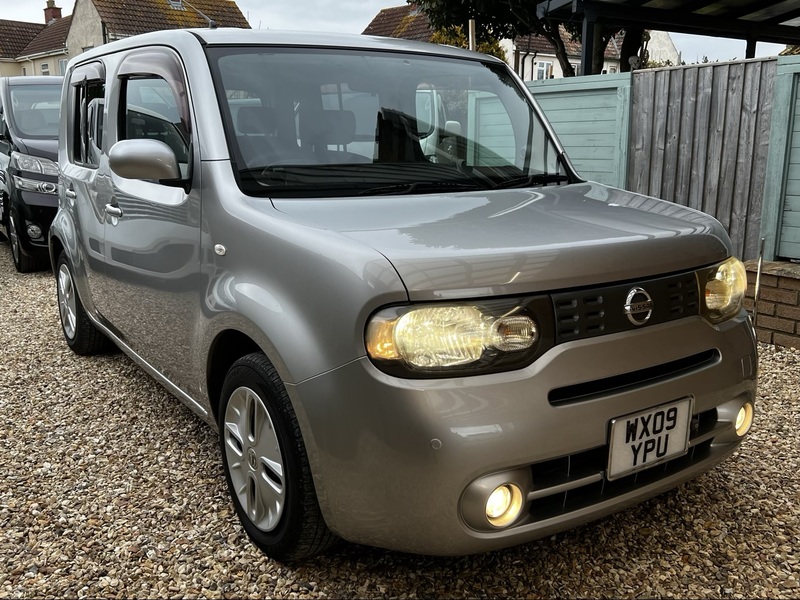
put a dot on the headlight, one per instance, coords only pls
(722, 288)
(458, 339)
(33, 164)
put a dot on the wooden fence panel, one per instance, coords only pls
(590, 117)
(700, 136)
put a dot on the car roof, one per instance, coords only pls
(34, 80)
(230, 36)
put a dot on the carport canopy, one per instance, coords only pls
(776, 21)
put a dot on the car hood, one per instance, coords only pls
(520, 241)
(42, 148)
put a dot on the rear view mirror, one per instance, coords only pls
(144, 159)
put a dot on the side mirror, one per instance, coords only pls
(3, 129)
(144, 159)
(452, 127)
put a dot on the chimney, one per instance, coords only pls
(52, 12)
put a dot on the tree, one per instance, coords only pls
(454, 36)
(513, 18)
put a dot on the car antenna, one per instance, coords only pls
(212, 24)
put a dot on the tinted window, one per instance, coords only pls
(35, 109)
(337, 122)
(88, 109)
(151, 113)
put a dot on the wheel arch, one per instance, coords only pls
(56, 248)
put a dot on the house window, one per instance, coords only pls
(62, 66)
(176, 4)
(577, 68)
(45, 68)
(24, 71)
(544, 69)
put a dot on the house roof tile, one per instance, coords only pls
(407, 22)
(52, 38)
(131, 17)
(15, 35)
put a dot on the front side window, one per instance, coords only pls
(312, 123)
(153, 103)
(151, 112)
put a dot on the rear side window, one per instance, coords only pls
(85, 133)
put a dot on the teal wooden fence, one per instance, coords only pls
(781, 215)
(591, 118)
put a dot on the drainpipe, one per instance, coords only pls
(472, 44)
(525, 57)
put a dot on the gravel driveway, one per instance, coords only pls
(109, 487)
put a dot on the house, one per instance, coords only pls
(33, 48)
(96, 22)
(44, 49)
(532, 57)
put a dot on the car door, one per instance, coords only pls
(152, 228)
(85, 186)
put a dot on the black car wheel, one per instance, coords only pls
(266, 465)
(79, 332)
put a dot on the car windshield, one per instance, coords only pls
(314, 123)
(35, 110)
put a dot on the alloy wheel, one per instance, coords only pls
(254, 459)
(66, 301)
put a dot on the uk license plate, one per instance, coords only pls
(647, 438)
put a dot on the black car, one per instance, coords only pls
(29, 123)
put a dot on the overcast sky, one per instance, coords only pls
(352, 16)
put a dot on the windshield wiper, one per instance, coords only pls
(532, 180)
(418, 187)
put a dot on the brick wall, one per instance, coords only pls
(779, 302)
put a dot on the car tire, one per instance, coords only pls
(22, 262)
(266, 465)
(79, 332)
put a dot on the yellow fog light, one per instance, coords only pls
(504, 505)
(744, 419)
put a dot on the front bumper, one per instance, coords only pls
(393, 457)
(38, 209)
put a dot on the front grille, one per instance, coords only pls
(574, 482)
(620, 383)
(587, 313)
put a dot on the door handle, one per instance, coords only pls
(113, 211)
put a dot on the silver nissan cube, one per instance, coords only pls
(370, 264)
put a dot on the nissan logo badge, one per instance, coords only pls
(638, 306)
